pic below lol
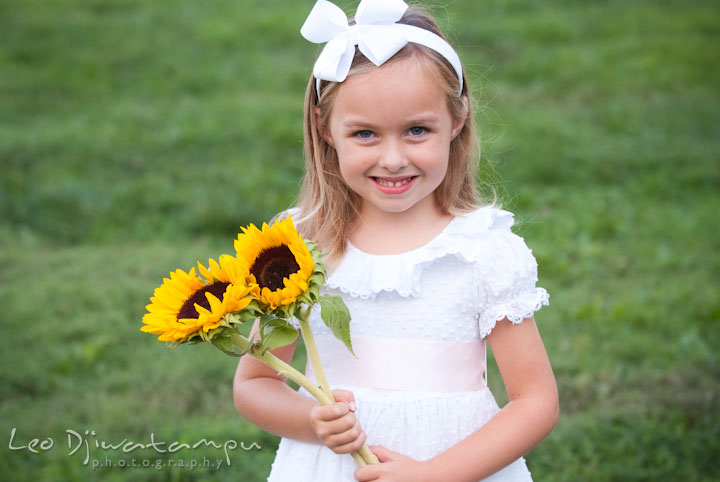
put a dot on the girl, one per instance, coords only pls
(428, 274)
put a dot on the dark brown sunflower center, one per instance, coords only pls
(272, 266)
(188, 308)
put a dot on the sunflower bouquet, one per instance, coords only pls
(274, 277)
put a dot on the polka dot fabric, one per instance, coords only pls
(475, 273)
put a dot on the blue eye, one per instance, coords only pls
(416, 131)
(364, 134)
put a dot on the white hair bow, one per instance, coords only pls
(375, 33)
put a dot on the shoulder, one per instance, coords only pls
(489, 229)
(485, 219)
(487, 240)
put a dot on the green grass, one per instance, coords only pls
(136, 137)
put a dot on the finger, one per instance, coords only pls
(383, 454)
(367, 473)
(330, 412)
(342, 437)
(345, 396)
(335, 432)
(352, 444)
(341, 426)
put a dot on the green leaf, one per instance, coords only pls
(304, 299)
(239, 352)
(337, 317)
(278, 333)
(317, 279)
(245, 316)
(224, 343)
(265, 320)
(313, 292)
(253, 308)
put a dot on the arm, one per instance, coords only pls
(263, 397)
(529, 416)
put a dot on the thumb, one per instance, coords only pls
(345, 396)
(385, 455)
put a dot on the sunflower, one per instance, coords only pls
(186, 306)
(278, 262)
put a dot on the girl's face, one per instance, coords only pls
(392, 128)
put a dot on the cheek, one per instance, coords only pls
(434, 160)
(345, 172)
(439, 173)
(351, 160)
(350, 170)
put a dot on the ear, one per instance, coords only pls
(459, 122)
(321, 127)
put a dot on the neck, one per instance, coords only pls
(381, 232)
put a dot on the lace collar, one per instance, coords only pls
(364, 275)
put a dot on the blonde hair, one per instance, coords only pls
(327, 206)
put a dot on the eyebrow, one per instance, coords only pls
(354, 123)
(358, 123)
(425, 119)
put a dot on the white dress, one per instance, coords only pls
(419, 322)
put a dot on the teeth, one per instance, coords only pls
(385, 182)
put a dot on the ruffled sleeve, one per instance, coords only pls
(507, 278)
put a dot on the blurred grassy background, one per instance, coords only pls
(137, 136)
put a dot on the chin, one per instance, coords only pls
(395, 208)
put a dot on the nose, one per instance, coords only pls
(393, 156)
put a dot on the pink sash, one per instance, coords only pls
(403, 364)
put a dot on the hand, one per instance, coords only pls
(336, 424)
(393, 467)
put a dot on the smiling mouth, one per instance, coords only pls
(394, 182)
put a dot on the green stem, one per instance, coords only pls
(282, 368)
(290, 372)
(314, 356)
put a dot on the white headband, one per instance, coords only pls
(375, 32)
